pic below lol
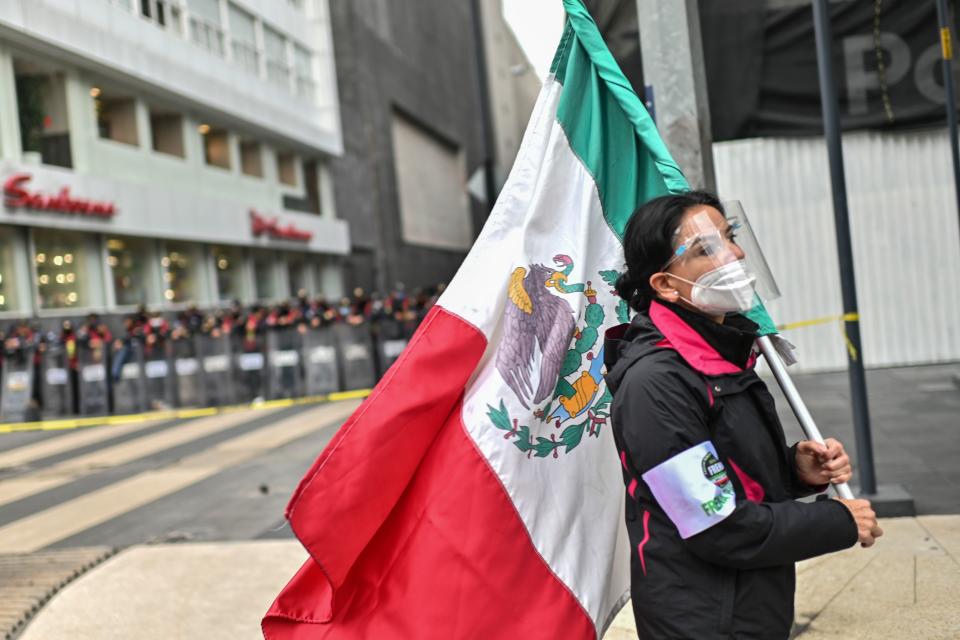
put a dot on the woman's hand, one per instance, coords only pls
(868, 530)
(819, 464)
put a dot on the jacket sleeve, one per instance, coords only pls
(661, 414)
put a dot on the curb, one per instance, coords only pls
(173, 414)
(28, 581)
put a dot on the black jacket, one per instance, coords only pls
(711, 484)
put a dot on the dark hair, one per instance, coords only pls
(648, 242)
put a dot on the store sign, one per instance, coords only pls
(16, 195)
(263, 226)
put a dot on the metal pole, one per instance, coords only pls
(671, 47)
(796, 403)
(831, 126)
(946, 42)
(486, 123)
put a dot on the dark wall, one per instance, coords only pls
(761, 64)
(416, 58)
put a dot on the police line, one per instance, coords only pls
(197, 371)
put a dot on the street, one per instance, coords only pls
(193, 501)
(222, 477)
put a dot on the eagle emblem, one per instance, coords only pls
(566, 384)
(534, 316)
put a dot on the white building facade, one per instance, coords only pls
(166, 152)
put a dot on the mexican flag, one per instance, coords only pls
(477, 492)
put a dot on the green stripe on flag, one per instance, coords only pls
(607, 125)
(611, 132)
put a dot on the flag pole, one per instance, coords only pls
(946, 45)
(796, 402)
(848, 287)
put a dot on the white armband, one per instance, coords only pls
(693, 489)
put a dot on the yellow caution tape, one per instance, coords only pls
(946, 43)
(175, 414)
(847, 317)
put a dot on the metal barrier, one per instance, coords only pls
(392, 337)
(129, 389)
(93, 380)
(320, 362)
(209, 370)
(284, 346)
(355, 350)
(215, 357)
(16, 385)
(59, 383)
(249, 368)
(188, 372)
(156, 372)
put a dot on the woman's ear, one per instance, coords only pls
(661, 286)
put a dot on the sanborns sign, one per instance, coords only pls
(271, 227)
(17, 196)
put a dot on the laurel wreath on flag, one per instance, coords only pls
(541, 447)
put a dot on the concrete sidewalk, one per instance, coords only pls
(905, 586)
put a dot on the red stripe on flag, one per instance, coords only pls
(411, 533)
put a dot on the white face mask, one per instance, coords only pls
(726, 289)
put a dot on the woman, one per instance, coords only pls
(711, 484)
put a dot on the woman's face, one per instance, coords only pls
(704, 241)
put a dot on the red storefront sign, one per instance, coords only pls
(16, 196)
(271, 227)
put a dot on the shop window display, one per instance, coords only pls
(296, 275)
(127, 259)
(60, 260)
(181, 273)
(8, 287)
(229, 266)
(266, 281)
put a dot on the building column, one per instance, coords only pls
(193, 142)
(81, 120)
(331, 279)
(144, 133)
(9, 113)
(673, 67)
(328, 203)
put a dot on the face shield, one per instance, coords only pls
(731, 272)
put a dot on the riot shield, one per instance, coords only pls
(217, 370)
(16, 385)
(58, 382)
(92, 380)
(355, 349)
(189, 379)
(284, 346)
(129, 390)
(320, 362)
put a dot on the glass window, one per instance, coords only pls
(275, 46)
(243, 37)
(303, 62)
(229, 265)
(181, 272)
(265, 278)
(61, 262)
(287, 168)
(129, 269)
(296, 274)
(8, 287)
(251, 159)
(166, 129)
(158, 11)
(205, 27)
(116, 117)
(216, 146)
(42, 112)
